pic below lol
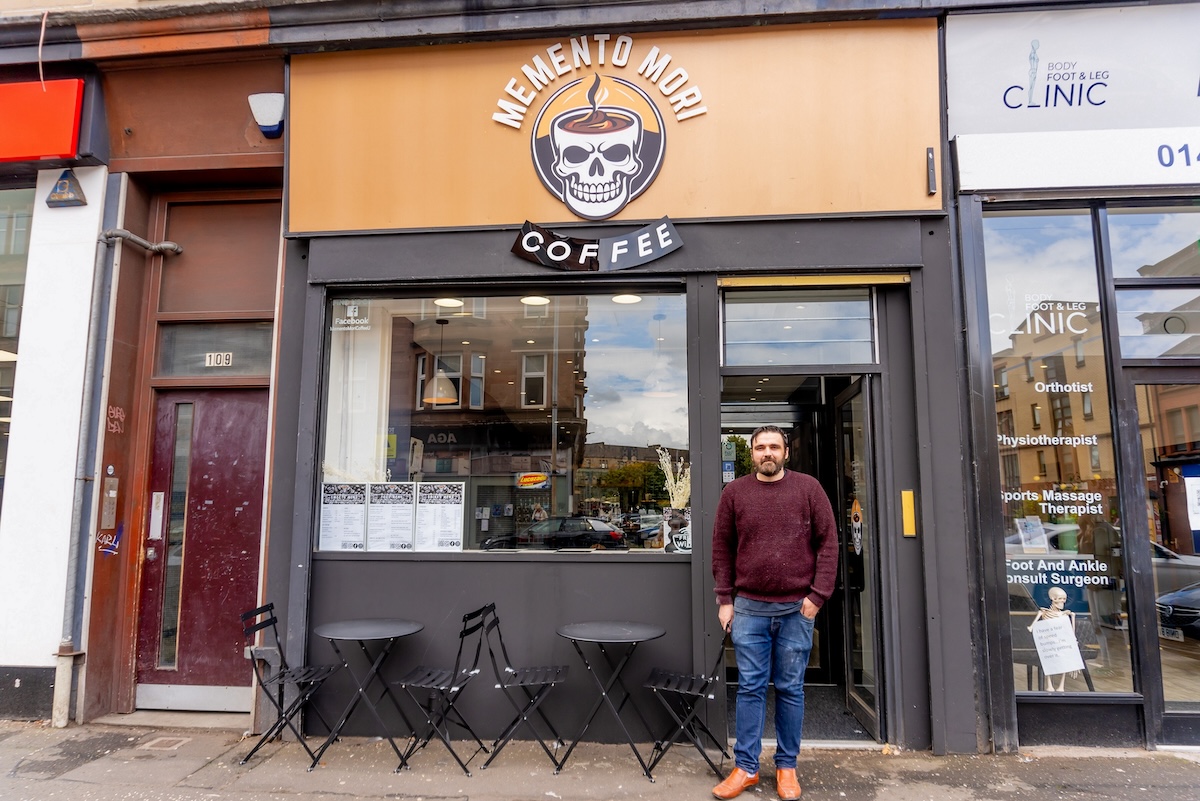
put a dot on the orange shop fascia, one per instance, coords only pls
(830, 118)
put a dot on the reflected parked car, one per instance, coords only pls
(1057, 535)
(561, 532)
(1179, 614)
(1173, 571)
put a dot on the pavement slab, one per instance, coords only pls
(147, 763)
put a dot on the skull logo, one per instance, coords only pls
(596, 156)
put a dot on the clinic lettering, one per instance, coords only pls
(1065, 84)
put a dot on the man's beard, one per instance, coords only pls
(769, 467)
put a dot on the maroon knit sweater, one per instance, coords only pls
(775, 540)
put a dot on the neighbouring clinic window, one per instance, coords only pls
(1168, 419)
(1152, 250)
(16, 212)
(506, 423)
(1062, 525)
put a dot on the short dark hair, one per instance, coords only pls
(769, 429)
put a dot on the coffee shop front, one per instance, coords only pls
(538, 292)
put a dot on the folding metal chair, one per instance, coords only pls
(683, 695)
(275, 681)
(443, 687)
(533, 682)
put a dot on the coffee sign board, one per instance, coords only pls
(614, 126)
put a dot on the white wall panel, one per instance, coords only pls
(35, 524)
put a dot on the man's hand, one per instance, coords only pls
(725, 615)
(809, 609)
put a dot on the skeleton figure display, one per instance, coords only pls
(1057, 608)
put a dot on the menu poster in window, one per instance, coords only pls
(343, 517)
(390, 513)
(440, 508)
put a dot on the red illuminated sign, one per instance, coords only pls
(41, 121)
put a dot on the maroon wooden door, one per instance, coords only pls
(200, 554)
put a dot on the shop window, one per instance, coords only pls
(478, 363)
(16, 212)
(1177, 439)
(1152, 243)
(208, 350)
(794, 327)
(1156, 265)
(1062, 522)
(1159, 323)
(420, 393)
(1172, 469)
(557, 445)
(533, 381)
(1001, 384)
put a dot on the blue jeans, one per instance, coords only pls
(770, 648)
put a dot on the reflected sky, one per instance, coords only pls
(1152, 244)
(636, 363)
(1035, 259)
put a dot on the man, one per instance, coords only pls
(775, 552)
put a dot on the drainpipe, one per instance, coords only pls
(68, 647)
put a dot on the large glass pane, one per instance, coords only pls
(1159, 323)
(1062, 526)
(1155, 243)
(858, 507)
(214, 349)
(804, 326)
(572, 434)
(1169, 420)
(168, 640)
(16, 213)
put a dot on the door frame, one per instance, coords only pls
(870, 716)
(149, 278)
(901, 559)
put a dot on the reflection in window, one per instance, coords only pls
(1001, 384)
(1156, 323)
(1172, 469)
(555, 437)
(534, 380)
(786, 327)
(1062, 533)
(1155, 243)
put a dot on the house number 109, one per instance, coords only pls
(218, 360)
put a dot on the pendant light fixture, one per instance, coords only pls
(441, 389)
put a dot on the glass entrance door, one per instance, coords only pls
(855, 508)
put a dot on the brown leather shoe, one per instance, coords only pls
(786, 784)
(734, 784)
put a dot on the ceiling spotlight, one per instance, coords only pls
(448, 303)
(535, 300)
(627, 299)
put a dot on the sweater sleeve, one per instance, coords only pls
(723, 546)
(825, 547)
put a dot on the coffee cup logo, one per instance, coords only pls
(598, 155)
